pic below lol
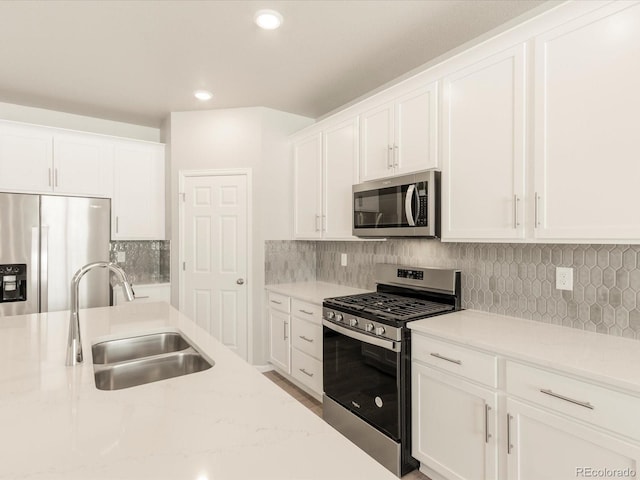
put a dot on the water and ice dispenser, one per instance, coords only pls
(13, 283)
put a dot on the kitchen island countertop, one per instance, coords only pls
(226, 423)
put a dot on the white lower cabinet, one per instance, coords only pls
(454, 431)
(296, 341)
(546, 446)
(537, 424)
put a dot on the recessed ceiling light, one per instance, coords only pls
(203, 95)
(268, 19)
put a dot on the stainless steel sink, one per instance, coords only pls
(138, 347)
(133, 361)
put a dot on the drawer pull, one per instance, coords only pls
(304, 311)
(567, 399)
(305, 372)
(276, 302)
(310, 340)
(144, 296)
(437, 355)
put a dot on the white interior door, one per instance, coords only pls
(214, 252)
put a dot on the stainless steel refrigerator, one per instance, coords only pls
(44, 239)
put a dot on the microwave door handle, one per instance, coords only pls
(417, 214)
(408, 205)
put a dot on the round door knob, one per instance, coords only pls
(369, 327)
(380, 331)
(240, 281)
(353, 322)
(339, 317)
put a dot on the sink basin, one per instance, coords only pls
(128, 362)
(146, 370)
(138, 347)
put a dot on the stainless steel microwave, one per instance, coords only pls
(405, 206)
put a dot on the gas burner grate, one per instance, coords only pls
(392, 307)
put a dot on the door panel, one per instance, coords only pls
(215, 256)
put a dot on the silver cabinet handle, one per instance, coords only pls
(146, 296)
(437, 355)
(55, 175)
(536, 210)
(240, 281)
(317, 219)
(324, 223)
(284, 330)
(487, 435)
(276, 302)
(389, 153)
(567, 399)
(509, 444)
(305, 372)
(117, 224)
(396, 154)
(306, 312)
(310, 340)
(50, 177)
(516, 222)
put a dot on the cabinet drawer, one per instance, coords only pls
(306, 370)
(279, 302)
(306, 310)
(307, 337)
(598, 405)
(478, 366)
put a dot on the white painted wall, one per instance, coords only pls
(253, 138)
(52, 118)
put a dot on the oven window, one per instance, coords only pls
(364, 379)
(380, 208)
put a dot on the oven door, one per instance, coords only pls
(363, 377)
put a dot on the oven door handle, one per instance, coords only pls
(380, 342)
(408, 205)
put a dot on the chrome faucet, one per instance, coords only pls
(74, 345)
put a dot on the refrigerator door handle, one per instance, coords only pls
(44, 269)
(33, 282)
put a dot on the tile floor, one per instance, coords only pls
(316, 407)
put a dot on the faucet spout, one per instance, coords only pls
(74, 344)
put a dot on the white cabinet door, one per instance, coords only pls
(544, 446)
(26, 155)
(279, 339)
(416, 130)
(307, 166)
(139, 192)
(82, 165)
(454, 425)
(484, 149)
(340, 173)
(376, 143)
(587, 154)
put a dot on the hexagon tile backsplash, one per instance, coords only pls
(508, 279)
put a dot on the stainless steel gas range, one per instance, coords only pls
(367, 358)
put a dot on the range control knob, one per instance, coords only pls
(339, 317)
(353, 322)
(330, 315)
(369, 327)
(380, 330)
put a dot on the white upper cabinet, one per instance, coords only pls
(587, 154)
(400, 137)
(26, 158)
(483, 152)
(340, 155)
(325, 169)
(83, 165)
(138, 207)
(307, 168)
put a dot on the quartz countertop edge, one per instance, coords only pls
(602, 358)
(313, 292)
(229, 422)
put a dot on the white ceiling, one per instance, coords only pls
(136, 61)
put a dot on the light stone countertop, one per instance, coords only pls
(313, 292)
(602, 358)
(226, 423)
